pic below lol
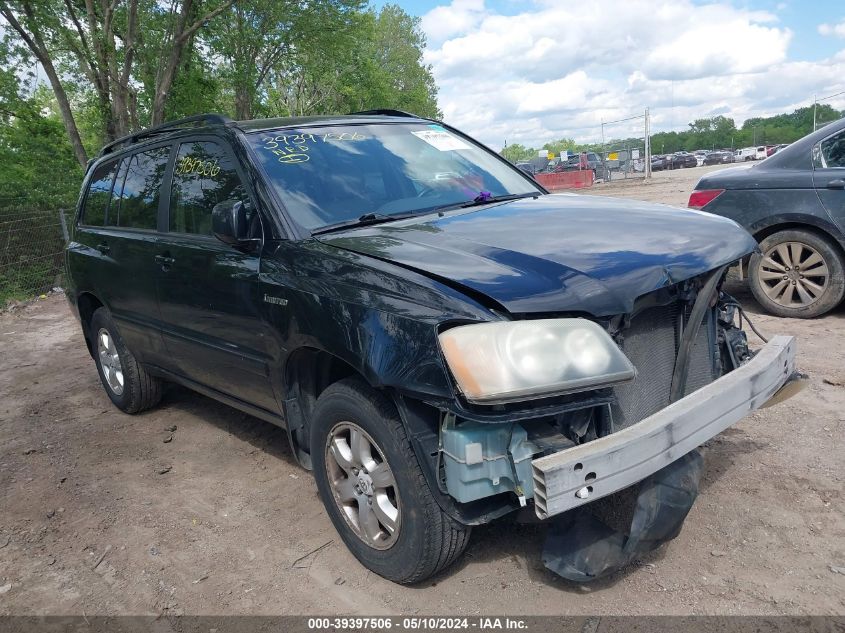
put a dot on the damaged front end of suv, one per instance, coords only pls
(521, 350)
(555, 408)
(636, 395)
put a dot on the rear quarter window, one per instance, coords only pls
(97, 198)
(830, 152)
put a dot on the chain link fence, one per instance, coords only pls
(625, 148)
(32, 240)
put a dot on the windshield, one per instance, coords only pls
(334, 174)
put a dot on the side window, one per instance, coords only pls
(99, 192)
(140, 177)
(831, 152)
(203, 176)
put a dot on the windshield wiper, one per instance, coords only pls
(484, 197)
(368, 219)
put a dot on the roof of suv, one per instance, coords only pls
(192, 123)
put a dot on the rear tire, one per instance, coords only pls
(128, 385)
(424, 539)
(798, 274)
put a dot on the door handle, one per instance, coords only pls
(164, 260)
(839, 183)
(103, 248)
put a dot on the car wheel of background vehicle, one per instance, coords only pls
(127, 384)
(797, 274)
(373, 488)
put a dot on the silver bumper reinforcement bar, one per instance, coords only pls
(578, 475)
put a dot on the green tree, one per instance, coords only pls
(397, 77)
(39, 167)
(516, 152)
(376, 62)
(561, 145)
(260, 36)
(99, 42)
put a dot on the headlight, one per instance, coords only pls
(517, 360)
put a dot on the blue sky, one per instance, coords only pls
(802, 16)
(543, 69)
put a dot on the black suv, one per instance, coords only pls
(443, 340)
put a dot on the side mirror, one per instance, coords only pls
(230, 224)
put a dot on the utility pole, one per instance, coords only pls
(602, 140)
(647, 145)
(815, 103)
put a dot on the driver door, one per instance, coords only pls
(207, 290)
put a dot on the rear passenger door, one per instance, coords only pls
(119, 227)
(829, 176)
(208, 290)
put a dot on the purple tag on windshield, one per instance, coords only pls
(483, 196)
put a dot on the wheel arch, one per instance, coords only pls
(788, 225)
(87, 303)
(307, 372)
(822, 303)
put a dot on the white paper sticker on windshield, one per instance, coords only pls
(441, 139)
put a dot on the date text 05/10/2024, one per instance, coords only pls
(417, 623)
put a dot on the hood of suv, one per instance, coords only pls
(558, 253)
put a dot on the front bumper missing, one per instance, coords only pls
(576, 476)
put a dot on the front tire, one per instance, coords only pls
(373, 488)
(797, 274)
(128, 385)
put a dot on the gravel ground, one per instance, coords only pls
(88, 525)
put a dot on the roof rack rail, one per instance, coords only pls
(169, 126)
(385, 112)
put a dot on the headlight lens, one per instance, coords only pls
(517, 360)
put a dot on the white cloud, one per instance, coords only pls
(561, 68)
(837, 30)
(444, 21)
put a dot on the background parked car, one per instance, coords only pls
(794, 205)
(528, 168)
(745, 154)
(683, 159)
(719, 157)
(659, 162)
(592, 161)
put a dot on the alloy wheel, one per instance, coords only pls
(110, 361)
(793, 274)
(363, 485)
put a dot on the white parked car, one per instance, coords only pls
(747, 153)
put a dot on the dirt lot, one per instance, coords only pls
(89, 526)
